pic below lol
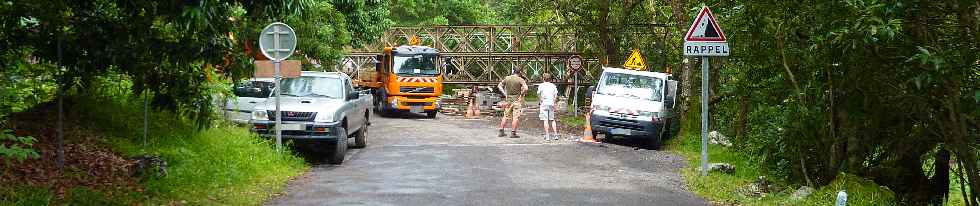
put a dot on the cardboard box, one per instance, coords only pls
(288, 69)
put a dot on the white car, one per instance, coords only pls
(247, 94)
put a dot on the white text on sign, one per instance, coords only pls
(706, 49)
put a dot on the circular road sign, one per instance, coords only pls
(277, 41)
(575, 63)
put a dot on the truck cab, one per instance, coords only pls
(633, 104)
(408, 78)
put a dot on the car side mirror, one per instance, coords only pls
(353, 95)
(589, 91)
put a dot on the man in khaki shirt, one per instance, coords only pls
(514, 87)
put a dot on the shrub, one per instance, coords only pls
(14, 147)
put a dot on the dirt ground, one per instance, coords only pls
(529, 123)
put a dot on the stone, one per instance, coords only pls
(801, 193)
(721, 167)
(715, 137)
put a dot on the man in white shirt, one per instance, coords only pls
(548, 95)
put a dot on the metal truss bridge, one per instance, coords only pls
(487, 53)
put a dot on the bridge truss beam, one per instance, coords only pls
(490, 68)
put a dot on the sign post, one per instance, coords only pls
(277, 42)
(575, 63)
(705, 39)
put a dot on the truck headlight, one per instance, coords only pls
(394, 102)
(260, 115)
(324, 117)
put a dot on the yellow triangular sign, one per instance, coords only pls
(635, 61)
(414, 41)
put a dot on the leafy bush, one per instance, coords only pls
(14, 147)
(23, 84)
(220, 164)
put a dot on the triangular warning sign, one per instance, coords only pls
(414, 41)
(705, 28)
(635, 61)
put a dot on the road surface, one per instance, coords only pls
(411, 160)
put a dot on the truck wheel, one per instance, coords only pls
(377, 105)
(382, 104)
(431, 114)
(340, 148)
(360, 138)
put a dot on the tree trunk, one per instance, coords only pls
(605, 34)
(742, 120)
(60, 150)
(677, 8)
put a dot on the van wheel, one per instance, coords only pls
(360, 138)
(340, 148)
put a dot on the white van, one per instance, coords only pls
(633, 104)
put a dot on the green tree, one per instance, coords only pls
(367, 20)
(440, 12)
(867, 87)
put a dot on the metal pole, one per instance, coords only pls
(146, 114)
(704, 116)
(276, 61)
(575, 96)
(278, 112)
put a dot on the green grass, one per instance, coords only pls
(531, 96)
(571, 121)
(218, 165)
(22, 195)
(724, 188)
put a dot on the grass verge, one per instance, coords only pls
(727, 188)
(218, 165)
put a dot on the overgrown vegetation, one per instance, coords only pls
(881, 90)
(736, 188)
(221, 164)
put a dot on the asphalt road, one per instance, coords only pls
(411, 160)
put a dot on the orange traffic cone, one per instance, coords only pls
(587, 134)
(473, 110)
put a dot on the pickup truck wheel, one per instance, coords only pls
(340, 148)
(360, 139)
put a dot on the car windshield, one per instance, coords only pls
(629, 85)
(312, 87)
(260, 89)
(417, 65)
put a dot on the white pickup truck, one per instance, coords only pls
(635, 104)
(320, 110)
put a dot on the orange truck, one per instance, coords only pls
(406, 78)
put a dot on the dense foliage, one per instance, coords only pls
(168, 47)
(881, 89)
